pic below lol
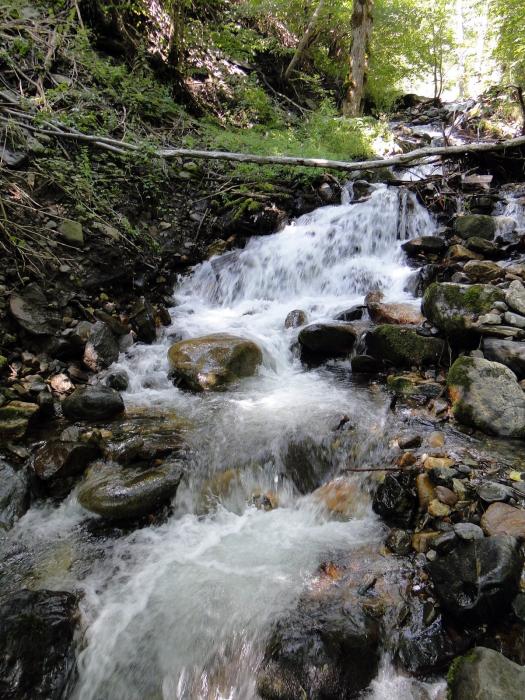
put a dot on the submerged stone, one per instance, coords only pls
(212, 362)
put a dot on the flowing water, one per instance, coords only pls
(182, 610)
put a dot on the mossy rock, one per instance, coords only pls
(212, 362)
(72, 231)
(486, 395)
(406, 386)
(485, 674)
(479, 225)
(401, 346)
(14, 419)
(455, 308)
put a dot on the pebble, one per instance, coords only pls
(407, 441)
(436, 439)
(468, 531)
(446, 496)
(437, 509)
(438, 463)
(491, 491)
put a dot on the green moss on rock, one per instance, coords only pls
(403, 347)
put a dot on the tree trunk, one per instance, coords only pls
(306, 40)
(361, 31)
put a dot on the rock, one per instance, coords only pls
(485, 395)
(395, 500)
(58, 459)
(72, 231)
(491, 491)
(15, 417)
(485, 674)
(446, 496)
(101, 349)
(306, 463)
(426, 491)
(401, 314)
(295, 319)
(333, 339)
(32, 311)
(458, 253)
(426, 245)
(455, 308)
(503, 519)
(438, 462)
(483, 271)
(143, 319)
(374, 296)
(325, 649)
(118, 380)
(478, 579)
(482, 246)
(515, 297)
(423, 541)
(93, 403)
(401, 346)
(122, 493)
(14, 495)
(468, 531)
(411, 385)
(507, 352)
(513, 319)
(441, 476)
(37, 651)
(437, 509)
(399, 542)
(489, 320)
(436, 439)
(354, 313)
(212, 362)
(480, 225)
(128, 450)
(365, 364)
(340, 497)
(406, 442)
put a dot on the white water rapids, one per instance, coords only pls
(181, 611)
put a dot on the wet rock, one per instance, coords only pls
(426, 491)
(515, 297)
(122, 493)
(401, 346)
(340, 497)
(518, 607)
(118, 380)
(328, 339)
(399, 542)
(37, 653)
(486, 395)
(411, 385)
(482, 246)
(485, 674)
(143, 319)
(93, 403)
(295, 319)
(426, 245)
(58, 459)
(14, 496)
(101, 349)
(468, 531)
(31, 309)
(503, 519)
(478, 579)
(455, 308)
(15, 418)
(459, 253)
(480, 225)
(513, 319)
(365, 364)
(508, 352)
(401, 314)
(446, 496)
(212, 362)
(492, 491)
(306, 463)
(325, 650)
(354, 313)
(395, 500)
(437, 509)
(128, 450)
(483, 271)
(406, 442)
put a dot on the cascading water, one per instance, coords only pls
(183, 610)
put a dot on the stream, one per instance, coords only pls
(183, 609)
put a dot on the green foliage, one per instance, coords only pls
(509, 21)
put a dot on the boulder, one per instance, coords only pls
(212, 362)
(93, 403)
(306, 463)
(101, 348)
(59, 459)
(503, 519)
(507, 352)
(14, 495)
(324, 650)
(483, 271)
(478, 579)
(426, 245)
(37, 651)
(354, 313)
(486, 395)
(295, 319)
(143, 318)
(485, 674)
(122, 493)
(458, 253)
(365, 364)
(399, 314)
(334, 339)
(33, 312)
(479, 225)
(455, 308)
(395, 500)
(15, 417)
(401, 346)
(482, 246)
(515, 297)
(118, 380)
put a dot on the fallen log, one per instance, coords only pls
(400, 160)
